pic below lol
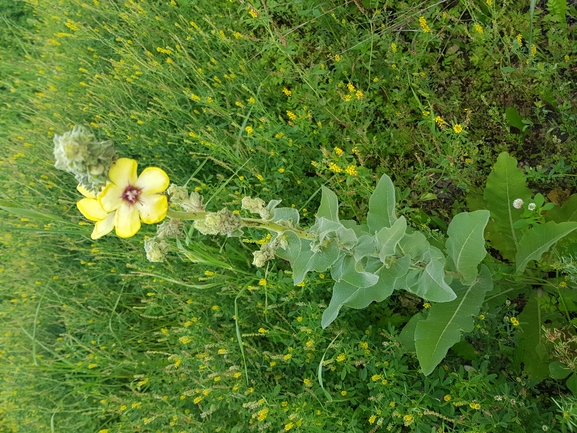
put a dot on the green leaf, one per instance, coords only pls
(414, 244)
(365, 247)
(435, 335)
(514, 118)
(529, 342)
(349, 270)
(539, 239)
(431, 284)
(28, 213)
(329, 207)
(346, 237)
(388, 238)
(407, 335)
(505, 184)
(309, 260)
(382, 205)
(558, 370)
(572, 383)
(466, 244)
(565, 212)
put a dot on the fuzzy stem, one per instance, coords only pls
(246, 222)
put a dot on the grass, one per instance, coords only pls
(272, 100)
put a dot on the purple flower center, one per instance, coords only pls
(131, 194)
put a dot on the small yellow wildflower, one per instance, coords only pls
(424, 25)
(408, 419)
(372, 419)
(440, 121)
(351, 170)
(344, 393)
(376, 377)
(489, 2)
(287, 92)
(475, 405)
(394, 47)
(519, 39)
(197, 400)
(351, 87)
(335, 168)
(514, 321)
(479, 28)
(427, 305)
(533, 50)
(307, 382)
(563, 284)
(341, 357)
(252, 13)
(185, 339)
(447, 397)
(249, 130)
(288, 426)
(337, 58)
(262, 282)
(292, 116)
(262, 414)
(359, 94)
(262, 331)
(260, 177)
(287, 356)
(338, 151)
(457, 128)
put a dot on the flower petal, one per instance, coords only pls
(91, 209)
(82, 190)
(152, 208)
(123, 172)
(111, 197)
(127, 221)
(104, 226)
(152, 180)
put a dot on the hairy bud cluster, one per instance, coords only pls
(267, 251)
(255, 205)
(223, 222)
(78, 152)
(190, 203)
(156, 249)
(170, 228)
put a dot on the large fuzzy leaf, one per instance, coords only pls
(435, 335)
(382, 205)
(329, 207)
(505, 184)
(539, 239)
(466, 244)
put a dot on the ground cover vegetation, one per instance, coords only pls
(418, 274)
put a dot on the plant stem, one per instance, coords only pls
(246, 222)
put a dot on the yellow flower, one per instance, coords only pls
(134, 198)
(287, 91)
(424, 25)
(479, 28)
(457, 128)
(372, 419)
(514, 321)
(291, 115)
(91, 209)
(351, 170)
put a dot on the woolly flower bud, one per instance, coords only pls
(155, 249)
(79, 153)
(223, 222)
(170, 228)
(255, 205)
(518, 203)
(262, 256)
(179, 196)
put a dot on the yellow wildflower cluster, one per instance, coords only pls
(479, 28)
(292, 116)
(424, 25)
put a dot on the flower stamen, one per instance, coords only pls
(131, 194)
